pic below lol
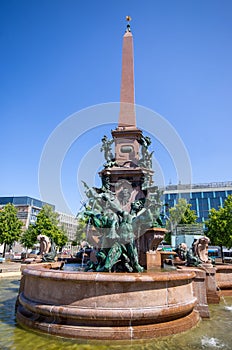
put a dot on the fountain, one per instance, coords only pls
(13, 337)
(114, 298)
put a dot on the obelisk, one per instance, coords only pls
(126, 135)
(127, 98)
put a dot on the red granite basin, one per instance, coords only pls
(106, 305)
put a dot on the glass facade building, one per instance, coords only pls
(27, 208)
(202, 197)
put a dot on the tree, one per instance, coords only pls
(46, 224)
(81, 229)
(50, 213)
(219, 225)
(29, 237)
(10, 226)
(181, 214)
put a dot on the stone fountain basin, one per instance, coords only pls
(106, 305)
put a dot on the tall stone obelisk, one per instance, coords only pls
(126, 135)
(127, 109)
(129, 164)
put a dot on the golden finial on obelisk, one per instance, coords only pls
(128, 18)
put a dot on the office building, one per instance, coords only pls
(202, 197)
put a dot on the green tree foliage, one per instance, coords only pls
(219, 225)
(81, 229)
(10, 226)
(46, 224)
(47, 211)
(29, 237)
(181, 214)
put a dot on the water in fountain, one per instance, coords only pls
(74, 267)
(227, 307)
(83, 257)
(211, 343)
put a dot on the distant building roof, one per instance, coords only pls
(24, 200)
(211, 186)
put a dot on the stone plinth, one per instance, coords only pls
(106, 305)
(211, 285)
(199, 290)
(153, 260)
(127, 147)
(149, 242)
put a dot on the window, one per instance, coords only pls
(193, 204)
(215, 203)
(196, 194)
(209, 194)
(6, 200)
(220, 194)
(203, 204)
(20, 200)
(184, 195)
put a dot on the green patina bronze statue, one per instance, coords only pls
(116, 229)
(118, 251)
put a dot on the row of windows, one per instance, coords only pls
(200, 204)
(22, 215)
(205, 195)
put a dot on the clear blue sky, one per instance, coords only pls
(61, 56)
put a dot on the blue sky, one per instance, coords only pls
(61, 56)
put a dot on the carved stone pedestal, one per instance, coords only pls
(153, 260)
(199, 290)
(211, 285)
(147, 245)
